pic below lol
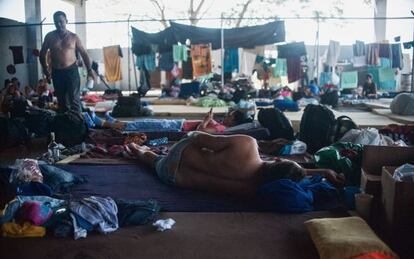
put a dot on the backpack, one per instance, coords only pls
(317, 127)
(127, 106)
(12, 132)
(70, 128)
(276, 122)
(39, 121)
(343, 125)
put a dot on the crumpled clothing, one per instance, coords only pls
(58, 179)
(34, 212)
(164, 224)
(34, 189)
(136, 212)
(98, 211)
(78, 232)
(154, 125)
(9, 211)
(22, 230)
(27, 171)
(285, 195)
(208, 101)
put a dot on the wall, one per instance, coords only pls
(13, 36)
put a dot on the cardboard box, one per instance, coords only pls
(375, 157)
(398, 202)
(371, 184)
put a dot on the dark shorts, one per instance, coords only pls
(167, 166)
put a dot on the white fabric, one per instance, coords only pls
(369, 136)
(406, 64)
(164, 224)
(216, 61)
(360, 61)
(246, 62)
(333, 53)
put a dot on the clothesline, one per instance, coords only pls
(218, 18)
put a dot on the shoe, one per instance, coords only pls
(88, 120)
(98, 121)
(109, 118)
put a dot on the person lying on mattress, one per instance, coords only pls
(226, 164)
(208, 124)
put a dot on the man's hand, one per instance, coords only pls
(333, 177)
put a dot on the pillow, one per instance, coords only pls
(345, 238)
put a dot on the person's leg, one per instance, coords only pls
(143, 154)
(73, 90)
(59, 86)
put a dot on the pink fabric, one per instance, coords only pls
(34, 212)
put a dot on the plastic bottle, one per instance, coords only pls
(53, 148)
(296, 148)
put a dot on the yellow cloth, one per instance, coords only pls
(344, 238)
(112, 62)
(22, 230)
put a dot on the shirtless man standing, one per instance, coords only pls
(63, 46)
(226, 164)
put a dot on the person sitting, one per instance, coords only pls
(29, 92)
(208, 124)
(224, 164)
(45, 96)
(13, 101)
(369, 88)
(312, 90)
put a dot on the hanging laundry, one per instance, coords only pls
(295, 49)
(385, 50)
(325, 78)
(280, 68)
(294, 69)
(201, 56)
(358, 48)
(231, 60)
(247, 61)
(166, 61)
(187, 68)
(397, 58)
(385, 62)
(112, 61)
(17, 52)
(147, 61)
(349, 79)
(386, 74)
(373, 54)
(180, 53)
(333, 53)
(406, 69)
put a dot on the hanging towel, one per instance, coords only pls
(406, 64)
(359, 48)
(280, 68)
(295, 49)
(333, 53)
(180, 53)
(112, 61)
(294, 69)
(17, 52)
(166, 61)
(247, 61)
(349, 79)
(231, 60)
(201, 57)
(396, 56)
(385, 62)
(385, 50)
(373, 54)
(385, 74)
(146, 61)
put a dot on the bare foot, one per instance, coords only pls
(138, 150)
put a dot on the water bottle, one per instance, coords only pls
(296, 148)
(158, 141)
(53, 148)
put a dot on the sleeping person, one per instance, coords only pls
(225, 164)
(208, 124)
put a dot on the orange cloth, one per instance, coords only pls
(22, 230)
(112, 60)
(201, 57)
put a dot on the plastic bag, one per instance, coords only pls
(404, 173)
(369, 136)
(27, 171)
(343, 158)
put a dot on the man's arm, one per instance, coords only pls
(42, 56)
(85, 57)
(211, 142)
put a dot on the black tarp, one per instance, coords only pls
(245, 37)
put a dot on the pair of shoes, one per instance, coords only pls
(109, 118)
(88, 120)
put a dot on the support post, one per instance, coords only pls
(129, 56)
(222, 52)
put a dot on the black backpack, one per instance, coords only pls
(276, 122)
(127, 106)
(12, 132)
(70, 128)
(39, 121)
(317, 127)
(343, 125)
